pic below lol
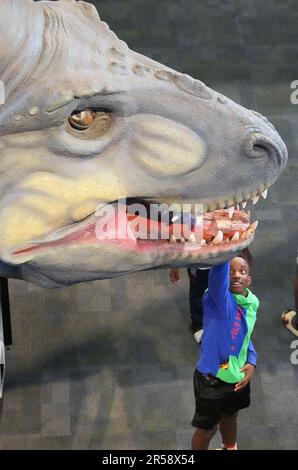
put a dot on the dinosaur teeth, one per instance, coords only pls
(242, 205)
(242, 236)
(231, 211)
(173, 239)
(175, 218)
(192, 238)
(236, 237)
(218, 238)
(253, 226)
(203, 242)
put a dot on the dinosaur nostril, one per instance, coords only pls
(260, 150)
(258, 145)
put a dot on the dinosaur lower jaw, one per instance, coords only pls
(202, 237)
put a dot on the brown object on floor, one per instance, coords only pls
(287, 319)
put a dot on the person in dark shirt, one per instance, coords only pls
(198, 283)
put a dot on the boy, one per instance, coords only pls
(228, 359)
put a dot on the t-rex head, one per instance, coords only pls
(87, 122)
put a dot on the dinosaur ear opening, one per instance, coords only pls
(89, 123)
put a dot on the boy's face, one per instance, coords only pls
(240, 278)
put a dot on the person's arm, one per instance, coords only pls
(174, 275)
(249, 368)
(251, 355)
(192, 278)
(218, 285)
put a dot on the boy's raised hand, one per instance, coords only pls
(174, 275)
(248, 369)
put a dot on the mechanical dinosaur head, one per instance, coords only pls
(87, 124)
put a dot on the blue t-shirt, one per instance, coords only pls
(228, 322)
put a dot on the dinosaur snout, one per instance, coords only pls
(259, 145)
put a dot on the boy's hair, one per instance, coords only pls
(247, 256)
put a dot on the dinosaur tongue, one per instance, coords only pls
(132, 230)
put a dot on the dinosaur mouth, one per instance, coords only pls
(222, 230)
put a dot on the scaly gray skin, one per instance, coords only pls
(172, 139)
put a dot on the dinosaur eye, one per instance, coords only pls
(82, 120)
(90, 122)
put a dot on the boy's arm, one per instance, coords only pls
(218, 286)
(251, 355)
(249, 368)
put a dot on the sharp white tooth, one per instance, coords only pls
(192, 238)
(218, 238)
(254, 225)
(255, 199)
(176, 217)
(243, 236)
(237, 207)
(244, 204)
(172, 239)
(231, 211)
(203, 242)
(236, 237)
(264, 194)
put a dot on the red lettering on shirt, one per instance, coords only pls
(236, 327)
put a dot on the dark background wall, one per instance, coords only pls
(218, 41)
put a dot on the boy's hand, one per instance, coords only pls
(248, 369)
(174, 275)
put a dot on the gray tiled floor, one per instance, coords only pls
(109, 364)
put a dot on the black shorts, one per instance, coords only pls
(213, 401)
